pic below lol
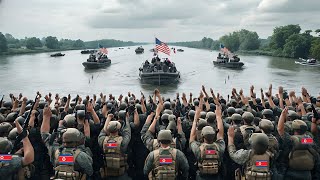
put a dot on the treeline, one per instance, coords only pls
(286, 41)
(12, 45)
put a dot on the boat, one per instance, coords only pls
(57, 54)
(225, 61)
(160, 73)
(88, 51)
(93, 63)
(307, 62)
(139, 50)
(180, 50)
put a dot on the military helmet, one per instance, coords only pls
(167, 111)
(42, 104)
(233, 102)
(201, 123)
(248, 117)
(196, 102)
(172, 117)
(20, 120)
(99, 101)
(164, 135)
(266, 125)
(172, 126)
(5, 145)
(72, 135)
(13, 134)
(53, 110)
(267, 112)
(191, 114)
(239, 111)
(5, 127)
(203, 114)
(7, 104)
(236, 117)
(212, 107)
(28, 107)
(113, 126)
(259, 139)
(299, 125)
(231, 110)
(139, 107)
(72, 103)
(167, 105)
(211, 117)
(80, 107)
(2, 118)
(81, 114)
(69, 120)
(207, 130)
(165, 118)
(122, 114)
(11, 116)
(61, 109)
(293, 115)
(122, 106)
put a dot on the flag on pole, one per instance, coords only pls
(103, 49)
(162, 47)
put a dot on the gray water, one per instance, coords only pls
(64, 75)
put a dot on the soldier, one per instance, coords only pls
(115, 144)
(247, 129)
(166, 162)
(257, 161)
(69, 160)
(10, 165)
(209, 154)
(300, 160)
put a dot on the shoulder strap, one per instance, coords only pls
(76, 153)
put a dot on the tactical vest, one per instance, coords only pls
(65, 164)
(209, 159)
(301, 157)
(156, 144)
(115, 162)
(164, 164)
(273, 144)
(258, 166)
(246, 132)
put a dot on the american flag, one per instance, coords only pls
(162, 47)
(103, 49)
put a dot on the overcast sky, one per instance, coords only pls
(141, 20)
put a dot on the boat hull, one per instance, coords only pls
(307, 64)
(96, 65)
(139, 51)
(232, 65)
(159, 78)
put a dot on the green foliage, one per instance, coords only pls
(3, 43)
(205, 43)
(52, 42)
(33, 42)
(231, 41)
(78, 44)
(315, 48)
(296, 46)
(280, 34)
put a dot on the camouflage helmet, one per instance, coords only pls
(20, 120)
(191, 114)
(299, 125)
(114, 126)
(239, 111)
(231, 110)
(293, 115)
(167, 111)
(69, 120)
(122, 106)
(167, 105)
(13, 134)
(81, 114)
(248, 117)
(201, 123)
(172, 117)
(211, 117)
(203, 114)
(5, 128)
(11, 116)
(259, 140)
(72, 135)
(122, 114)
(266, 125)
(164, 135)
(236, 117)
(207, 130)
(267, 112)
(5, 145)
(80, 107)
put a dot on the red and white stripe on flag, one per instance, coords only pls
(306, 141)
(165, 160)
(261, 164)
(210, 151)
(66, 159)
(104, 50)
(5, 157)
(111, 145)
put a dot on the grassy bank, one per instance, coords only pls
(17, 51)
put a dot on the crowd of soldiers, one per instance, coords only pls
(97, 57)
(158, 65)
(195, 137)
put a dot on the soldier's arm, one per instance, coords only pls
(240, 157)
(126, 136)
(183, 164)
(85, 163)
(148, 165)
(181, 134)
(136, 119)
(28, 150)
(281, 122)
(219, 122)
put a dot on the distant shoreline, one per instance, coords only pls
(21, 51)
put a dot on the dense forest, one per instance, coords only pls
(12, 45)
(286, 41)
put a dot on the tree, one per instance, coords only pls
(249, 40)
(33, 43)
(317, 31)
(78, 44)
(296, 46)
(315, 49)
(3, 43)
(281, 34)
(308, 32)
(52, 42)
(231, 41)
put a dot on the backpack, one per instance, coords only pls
(209, 159)
(164, 164)
(258, 166)
(115, 162)
(246, 132)
(302, 155)
(65, 161)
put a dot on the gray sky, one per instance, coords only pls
(141, 20)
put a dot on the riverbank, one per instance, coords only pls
(19, 51)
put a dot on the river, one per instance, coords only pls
(40, 72)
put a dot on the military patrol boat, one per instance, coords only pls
(225, 61)
(139, 50)
(95, 63)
